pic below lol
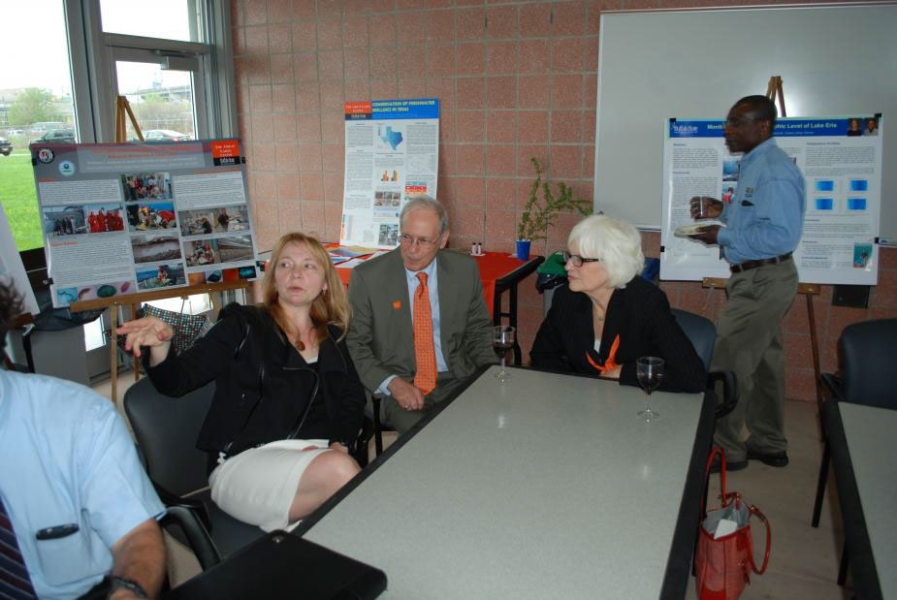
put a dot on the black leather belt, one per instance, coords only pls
(753, 264)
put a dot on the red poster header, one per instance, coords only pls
(225, 149)
(355, 108)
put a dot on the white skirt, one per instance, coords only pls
(258, 485)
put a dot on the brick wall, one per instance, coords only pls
(515, 80)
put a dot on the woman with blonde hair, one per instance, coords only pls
(607, 316)
(288, 402)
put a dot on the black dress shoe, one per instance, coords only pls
(731, 465)
(775, 459)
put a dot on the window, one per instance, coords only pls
(36, 100)
(162, 100)
(173, 64)
(163, 64)
(170, 19)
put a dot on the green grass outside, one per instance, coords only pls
(19, 198)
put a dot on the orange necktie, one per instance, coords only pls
(424, 353)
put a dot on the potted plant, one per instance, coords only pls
(541, 210)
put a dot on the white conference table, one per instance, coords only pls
(544, 486)
(860, 439)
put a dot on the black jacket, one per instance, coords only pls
(263, 386)
(640, 315)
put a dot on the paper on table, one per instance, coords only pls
(350, 251)
(351, 264)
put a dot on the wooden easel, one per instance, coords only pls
(774, 91)
(135, 300)
(123, 108)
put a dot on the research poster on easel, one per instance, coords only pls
(123, 218)
(392, 153)
(841, 160)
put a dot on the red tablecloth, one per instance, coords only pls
(493, 266)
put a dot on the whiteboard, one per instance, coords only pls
(834, 60)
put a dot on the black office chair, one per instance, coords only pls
(865, 357)
(700, 330)
(166, 430)
(702, 334)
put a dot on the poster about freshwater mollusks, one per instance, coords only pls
(392, 154)
(125, 218)
(841, 161)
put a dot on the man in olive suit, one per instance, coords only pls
(385, 341)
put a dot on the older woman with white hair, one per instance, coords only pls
(607, 316)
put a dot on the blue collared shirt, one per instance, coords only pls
(66, 458)
(766, 216)
(433, 289)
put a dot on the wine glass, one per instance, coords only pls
(649, 370)
(502, 341)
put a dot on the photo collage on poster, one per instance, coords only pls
(125, 218)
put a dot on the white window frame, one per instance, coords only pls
(177, 60)
(92, 56)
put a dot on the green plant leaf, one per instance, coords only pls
(539, 213)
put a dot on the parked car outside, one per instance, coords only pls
(5, 147)
(44, 126)
(164, 135)
(58, 136)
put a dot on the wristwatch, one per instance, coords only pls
(123, 583)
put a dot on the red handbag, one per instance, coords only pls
(723, 564)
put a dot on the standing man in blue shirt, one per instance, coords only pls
(764, 223)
